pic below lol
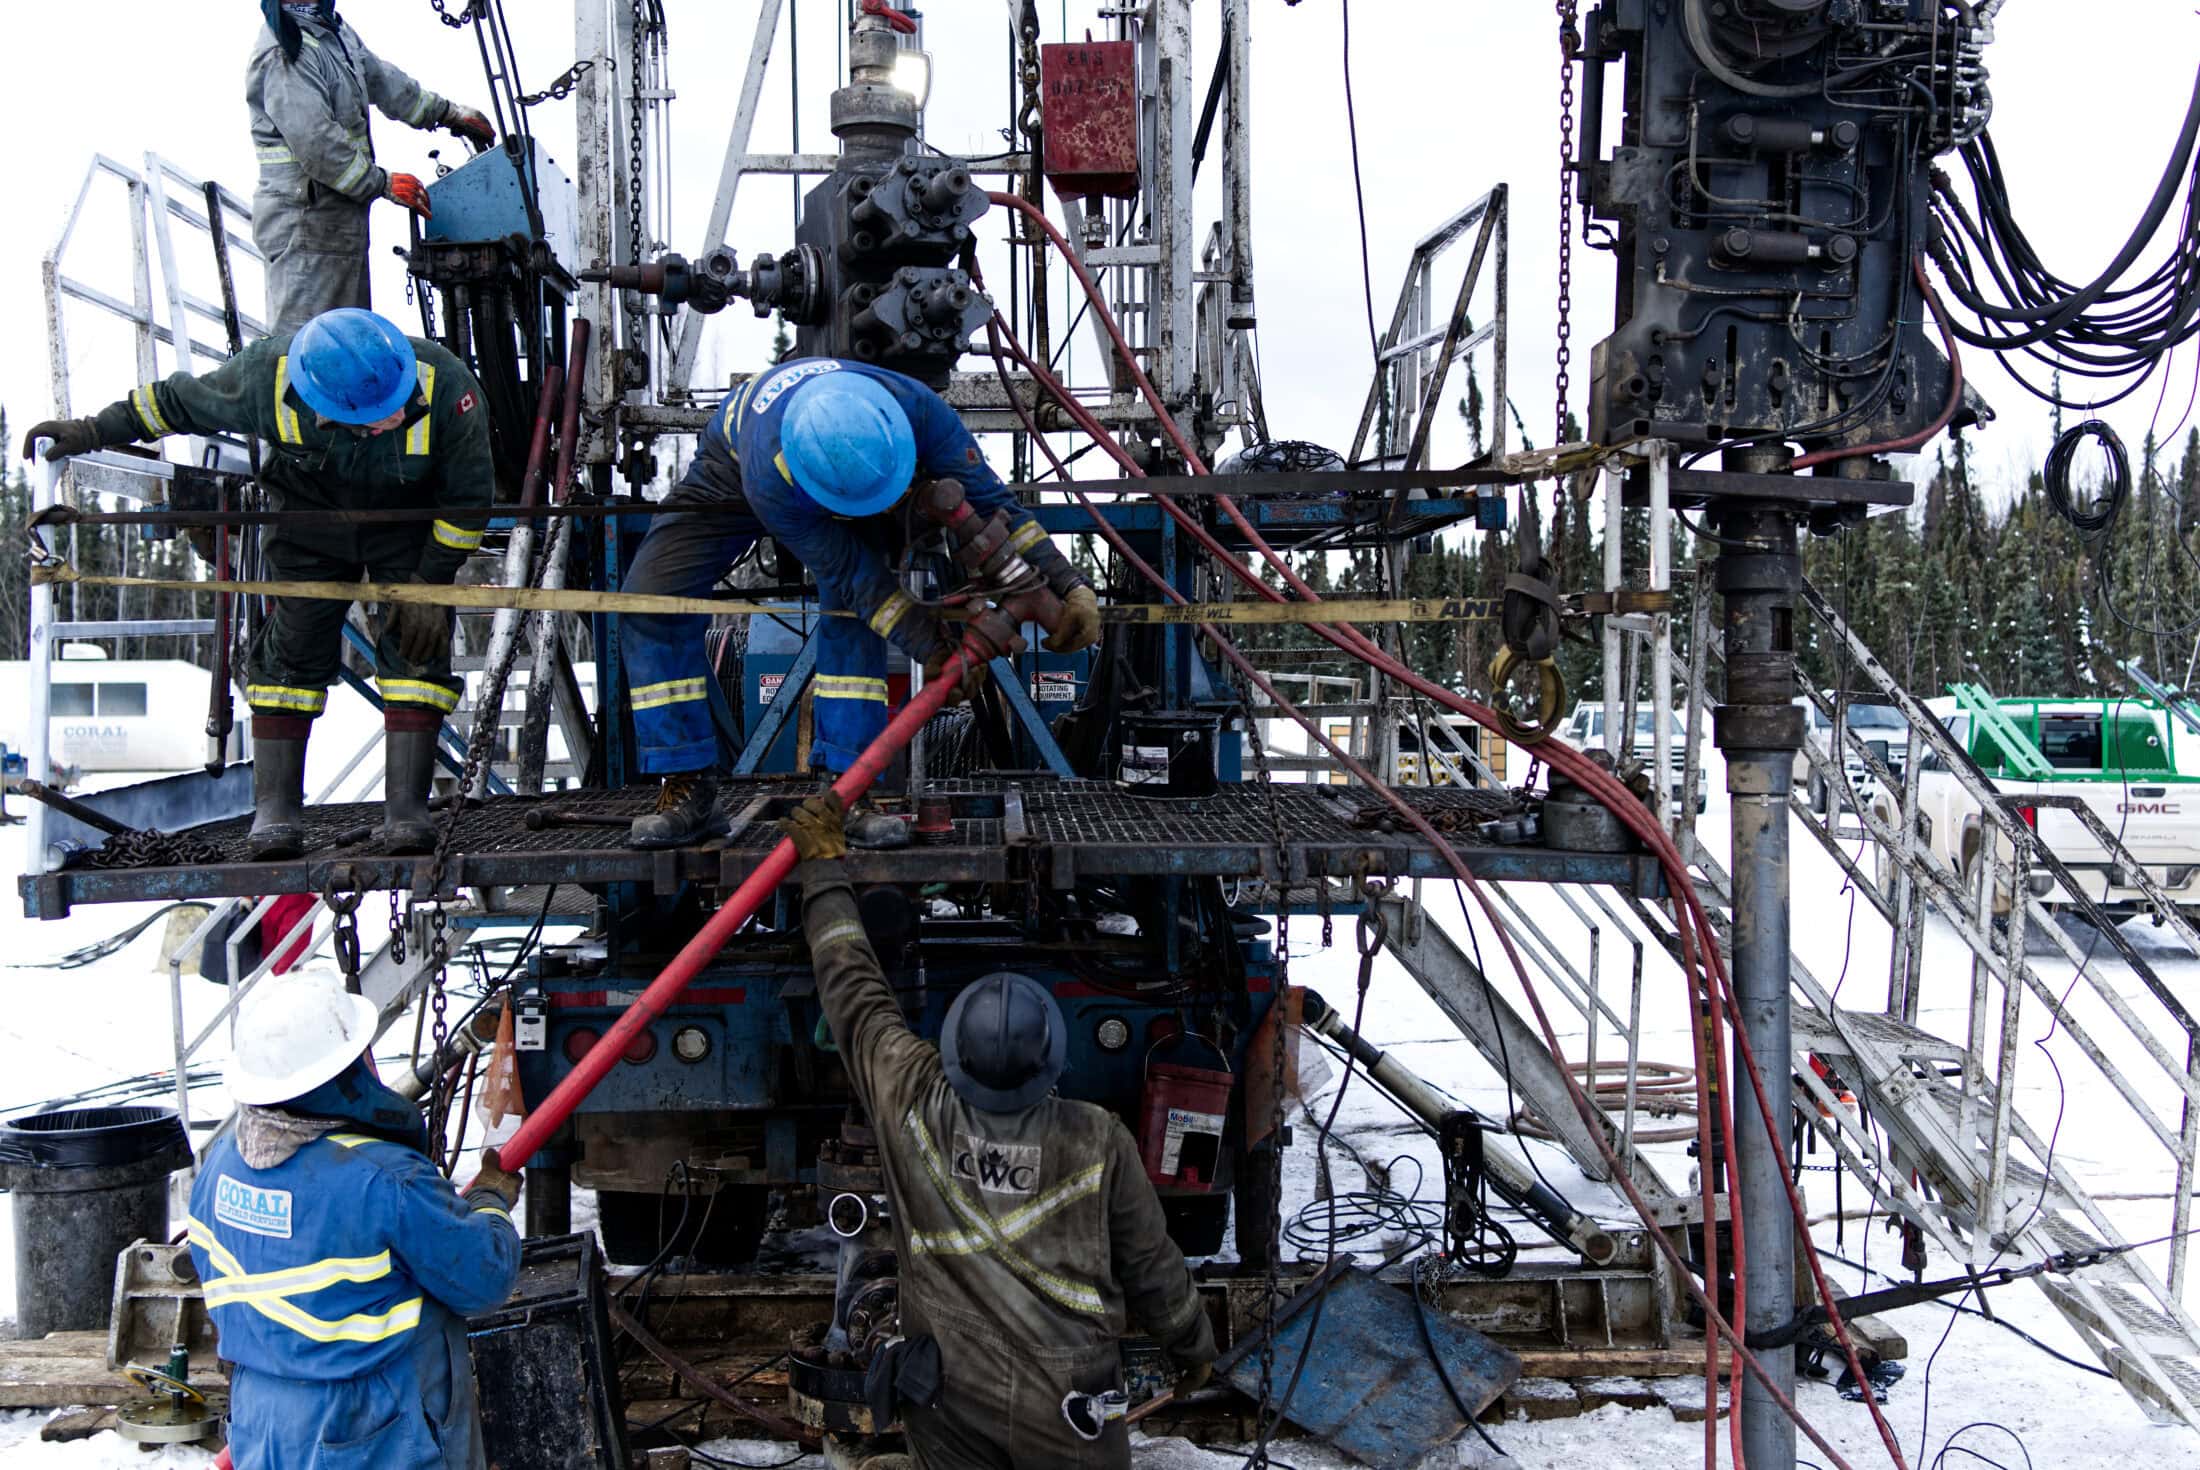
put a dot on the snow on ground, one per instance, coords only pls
(68, 1030)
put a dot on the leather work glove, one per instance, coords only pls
(815, 828)
(70, 436)
(972, 679)
(406, 190)
(493, 1179)
(1080, 625)
(470, 124)
(423, 630)
(1193, 1379)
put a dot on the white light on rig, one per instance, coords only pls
(913, 74)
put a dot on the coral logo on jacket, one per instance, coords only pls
(252, 1209)
(997, 1168)
(786, 378)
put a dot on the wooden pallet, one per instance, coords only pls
(64, 1369)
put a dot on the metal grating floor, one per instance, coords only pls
(1007, 828)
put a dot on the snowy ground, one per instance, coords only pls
(68, 1030)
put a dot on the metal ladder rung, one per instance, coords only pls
(2156, 1333)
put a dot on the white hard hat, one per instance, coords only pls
(296, 1032)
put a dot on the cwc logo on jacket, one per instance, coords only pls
(997, 1168)
(252, 1209)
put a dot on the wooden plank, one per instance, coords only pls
(69, 1368)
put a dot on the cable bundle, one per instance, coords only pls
(2113, 332)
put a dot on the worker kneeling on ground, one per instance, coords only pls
(821, 454)
(339, 1266)
(352, 415)
(1027, 1231)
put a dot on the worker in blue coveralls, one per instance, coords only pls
(822, 452)
(339, 1266)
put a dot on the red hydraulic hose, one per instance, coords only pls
(547, 403)
(1570, 762)
(538, 1127)
(1955, 387)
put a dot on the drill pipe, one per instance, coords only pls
(1508, 1176)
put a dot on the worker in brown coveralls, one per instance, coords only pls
(1027, 1230)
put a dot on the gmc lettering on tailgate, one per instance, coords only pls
(2147, 809)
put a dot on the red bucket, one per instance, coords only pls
(1183, 1111)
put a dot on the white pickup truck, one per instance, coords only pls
(2118, 756)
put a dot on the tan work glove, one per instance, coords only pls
(815, 828)
(423, 630)
(1079, 627)
(494, 1180)
(972, 678)
(70, 436)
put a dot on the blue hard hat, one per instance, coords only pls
(352, 366)
(848, 444)
(1004, 1044)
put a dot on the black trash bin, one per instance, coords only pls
(86, 1183)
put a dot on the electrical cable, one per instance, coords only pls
(2090, 522)
(1359, 191)
(1956, 1306)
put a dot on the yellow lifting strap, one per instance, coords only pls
(540, 599)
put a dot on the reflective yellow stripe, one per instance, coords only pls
(416, 438)
(890, 612)
(286, 417)
(278, 153)
(202, 1237)
(458, 538)
(1013, 1226)
(844, 932)
(350, 1140)
(671, 691)
(279, 696)
(1074, 1295)
(784, 473)
(1026, 536)
(417, 691)
(229, 1290)
(841, 686)
(427, 103)
(148, 411)
(349, 179)
(495, 1210)
(359, 1327)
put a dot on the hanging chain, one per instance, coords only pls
(344, 933)
(1569, 45)
(1272, 1292)
(562, 87)
(397, 929)
(469, 12)
(637, 172)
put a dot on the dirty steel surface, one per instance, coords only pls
(1011, 828)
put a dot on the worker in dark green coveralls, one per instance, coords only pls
(1028, 1233)
(352, 415)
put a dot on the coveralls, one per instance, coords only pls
(318, 176)
(1027, 1241)
(439, 457)
(738, 462)
(339, 1278)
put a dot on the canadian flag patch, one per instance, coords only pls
(466, 404)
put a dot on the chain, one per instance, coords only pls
(562, 87)
(1569, 43)
(397, 929)
(469, 12)
(344, 933)
(1272, 1293)
(636, 171)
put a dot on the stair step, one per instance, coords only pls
(1814, 1031)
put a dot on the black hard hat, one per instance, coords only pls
(1004, 1043)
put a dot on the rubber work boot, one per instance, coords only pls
(686, 812)
(408, 770)
(278, 799)
(868, 827)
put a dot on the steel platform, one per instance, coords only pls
(1007, 829)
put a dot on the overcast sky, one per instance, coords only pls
(1452, 97)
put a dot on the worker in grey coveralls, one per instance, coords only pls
(1027, 1231)
(309, 84)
